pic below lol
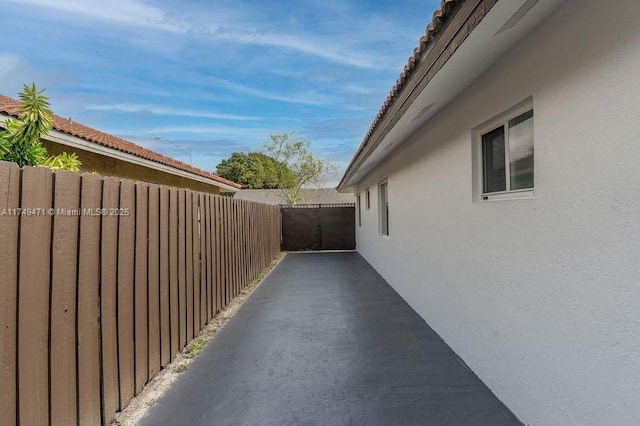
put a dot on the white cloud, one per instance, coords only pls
(310, 98)
(217, 131)
(223, 25)
(129, 12)
(159, 110)
(307, 44)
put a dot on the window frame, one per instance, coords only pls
(487, 127)
(359, 209)
(367, 199)
(382, 208)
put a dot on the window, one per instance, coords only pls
(507, 155)
(384, 208)
(368, 199)
(359, 209)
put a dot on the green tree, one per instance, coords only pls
(298, 167)
(20, 140)
(253, 170)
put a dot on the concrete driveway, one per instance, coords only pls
(325, 340)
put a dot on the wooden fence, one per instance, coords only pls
(101, 293)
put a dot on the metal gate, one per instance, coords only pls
(318, 227)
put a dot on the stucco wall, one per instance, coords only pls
(540, 297)
(107, 166)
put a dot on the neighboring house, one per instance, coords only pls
(307, 196)
(109, 155)
(502, 176)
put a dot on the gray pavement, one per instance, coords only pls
(324, 340)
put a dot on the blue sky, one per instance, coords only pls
(213, 76)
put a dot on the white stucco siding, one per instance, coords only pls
(540, 297)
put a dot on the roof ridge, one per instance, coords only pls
(433, 27)
(68, 126)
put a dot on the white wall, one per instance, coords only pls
(540, 297)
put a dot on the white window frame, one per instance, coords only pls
(367, 199)
(489, 126)
(359, 209)
(382, 211)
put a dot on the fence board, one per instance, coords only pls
(227, 249)
(210, 273)
(9, 199)
(33, 298)
(237, 226)
(197, 232)
(236, 243)
(112, 297)
(261, 222)
(223, 250)
(247, 243)
(64, 264)
(182, 266)
(243, 272)
(165, 314)
(125, 293)
(140, 314)
(240, 225)
(189, 264)
(173, 273)
(109, 301)
(252, 259)
(218, 252)
(234, 247)
(88, 302)
(256, 250)
(153, 282)
(204, 291)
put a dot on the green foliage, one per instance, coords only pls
(195, 347)
(20, 139)
(298, 167)
(253, 170)
(64, 161)
(180, 368)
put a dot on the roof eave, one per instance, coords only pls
(63, 138)
(441, 18)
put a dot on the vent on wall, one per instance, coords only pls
(524, 9)
(423, 111)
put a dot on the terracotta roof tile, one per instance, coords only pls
(439, 18)
(12, 107)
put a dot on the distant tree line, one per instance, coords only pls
(252, 170)
(285, 163)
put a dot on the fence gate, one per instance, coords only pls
(318, 227)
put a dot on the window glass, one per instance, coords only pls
(493, 161)
(521, 151)
(384, 209)
(359, 208)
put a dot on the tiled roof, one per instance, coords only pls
(12, 107)
(440, 17)
(307, 196)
